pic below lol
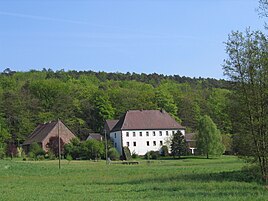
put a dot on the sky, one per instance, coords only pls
(170, 37)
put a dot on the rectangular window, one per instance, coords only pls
(166, 133)
(134, 144)
(127, 134)
(173, 132)
(128, 144)
(154, 143)
(147, 133)
(148, 143)
(134, 134)
(115, 145)
(153, 133)
(160, 133)
(161, 143)
(141, 134)
(115, 135)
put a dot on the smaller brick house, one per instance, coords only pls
(43, 132)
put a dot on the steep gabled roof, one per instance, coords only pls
(95, 136)
(40, 132)
(111, 123)
(146, 120)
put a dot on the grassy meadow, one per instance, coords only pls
(185, 179)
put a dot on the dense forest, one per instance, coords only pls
(84, 99)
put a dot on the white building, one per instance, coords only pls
(144, 130)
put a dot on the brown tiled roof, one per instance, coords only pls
(95, 136)
(146, 120)
(111, 123)
(40, 132)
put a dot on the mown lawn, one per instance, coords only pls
(186, 179)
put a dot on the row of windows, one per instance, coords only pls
(147, 133)
(147, 143)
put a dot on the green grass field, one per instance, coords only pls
(185, 179)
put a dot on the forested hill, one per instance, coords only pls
(84, 99)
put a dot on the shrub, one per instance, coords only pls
(134, 155)
(151, 155)
(2, 151)
(113, 154)
(50, 155)
(69, 158)
(154, 155)
(36, 151)
(40, 157)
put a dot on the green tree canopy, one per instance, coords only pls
(247, 67)
(209, 140)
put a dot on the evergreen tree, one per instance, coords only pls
(178, 145)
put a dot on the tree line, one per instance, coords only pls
(84, 100)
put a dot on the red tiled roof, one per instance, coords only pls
(146, 120)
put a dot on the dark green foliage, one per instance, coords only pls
(73, 148)
(178, 145)
(134, 155)
(4, 134)
(36, 151)
(2, 150)
(90, 149)
(113, 154)
(164, 151)
(102, 111)
(152, 155)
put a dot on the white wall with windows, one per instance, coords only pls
(142, 141)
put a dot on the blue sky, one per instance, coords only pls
(183, 37)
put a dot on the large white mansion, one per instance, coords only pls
(143, 130)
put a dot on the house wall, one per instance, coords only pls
(65, 134)
(142, 141)
(117, 140)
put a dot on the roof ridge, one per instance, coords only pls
(42, 127)
(37, 130)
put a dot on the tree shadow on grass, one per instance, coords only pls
(237, 176)
(201, 188)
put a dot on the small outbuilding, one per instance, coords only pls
(190, 139)
(95, 136)
(44, 132)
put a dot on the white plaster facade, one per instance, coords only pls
(142, 141)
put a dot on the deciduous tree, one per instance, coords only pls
(209, 140)
(247, 67)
